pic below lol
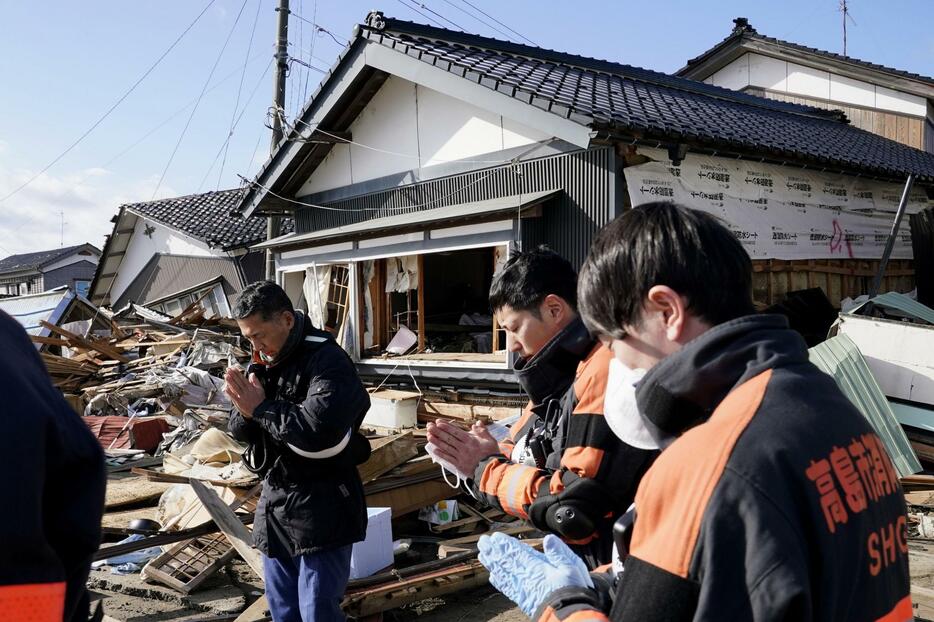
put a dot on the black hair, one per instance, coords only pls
(663, 244)
(263, 297)
(527, 278)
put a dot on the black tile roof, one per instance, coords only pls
(28, 261)
(632, 101)
(207, 217)
(744, 31)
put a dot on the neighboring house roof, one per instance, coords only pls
(165, 275)
(50, 306)
(33, 261)
(746, 38)
(619, 102)
(207, 217)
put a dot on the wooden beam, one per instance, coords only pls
(229, 523)
(80, 341)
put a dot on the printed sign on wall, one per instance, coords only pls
(781, 212)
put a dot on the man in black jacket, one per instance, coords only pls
(54, 492)
(300, 406)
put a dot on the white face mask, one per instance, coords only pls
(622, 413)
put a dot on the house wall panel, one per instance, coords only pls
(407, 127)
(68, 274)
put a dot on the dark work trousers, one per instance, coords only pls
(307, 588)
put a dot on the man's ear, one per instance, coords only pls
(554, 307)
(289, 318)
(672, 307)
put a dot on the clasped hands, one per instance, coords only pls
(462, 448)
(246, 394)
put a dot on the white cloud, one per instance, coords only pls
(31, 220)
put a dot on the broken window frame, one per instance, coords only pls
(382, 322)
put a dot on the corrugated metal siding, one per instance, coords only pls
(568, 224)
(167, 274)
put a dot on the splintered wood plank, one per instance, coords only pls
(239, 536)
(257, 612)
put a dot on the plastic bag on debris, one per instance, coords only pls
(205, 354)
(129, 563)
(195, 385)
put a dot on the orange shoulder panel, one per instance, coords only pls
(902, 612)
(37, 602)
(590, 384)
(674, 493)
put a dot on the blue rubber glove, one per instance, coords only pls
(527, 577)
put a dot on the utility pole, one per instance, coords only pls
(278, 101)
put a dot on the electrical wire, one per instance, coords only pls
(30, 218)
(321, 28)
(485, 23)
(519, 34)
(233, 113)
(198, 102)
(111, 109)
(233, 127)
(428, 17)
(433, 12)
(311, 50)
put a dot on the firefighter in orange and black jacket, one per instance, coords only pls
(53, 491)
(774, 498)
(562, 468)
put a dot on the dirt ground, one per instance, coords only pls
(224, 596)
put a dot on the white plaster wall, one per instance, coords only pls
(768, 73)
(450, 129)
(900, 102)
(141, 249)
(849, 91)
(422, 128)
(735, 75)
(809, 82)
(389, 123)
(786, 77)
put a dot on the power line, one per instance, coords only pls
(311, 50)
(198, 102)
(233, 127)
(428, 17)
(485, 23)
(31, 217)
(321, 28)
(468, 3)
(433, 12)
(112, 108)
(233, 113)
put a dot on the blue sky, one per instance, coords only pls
(63, 64)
